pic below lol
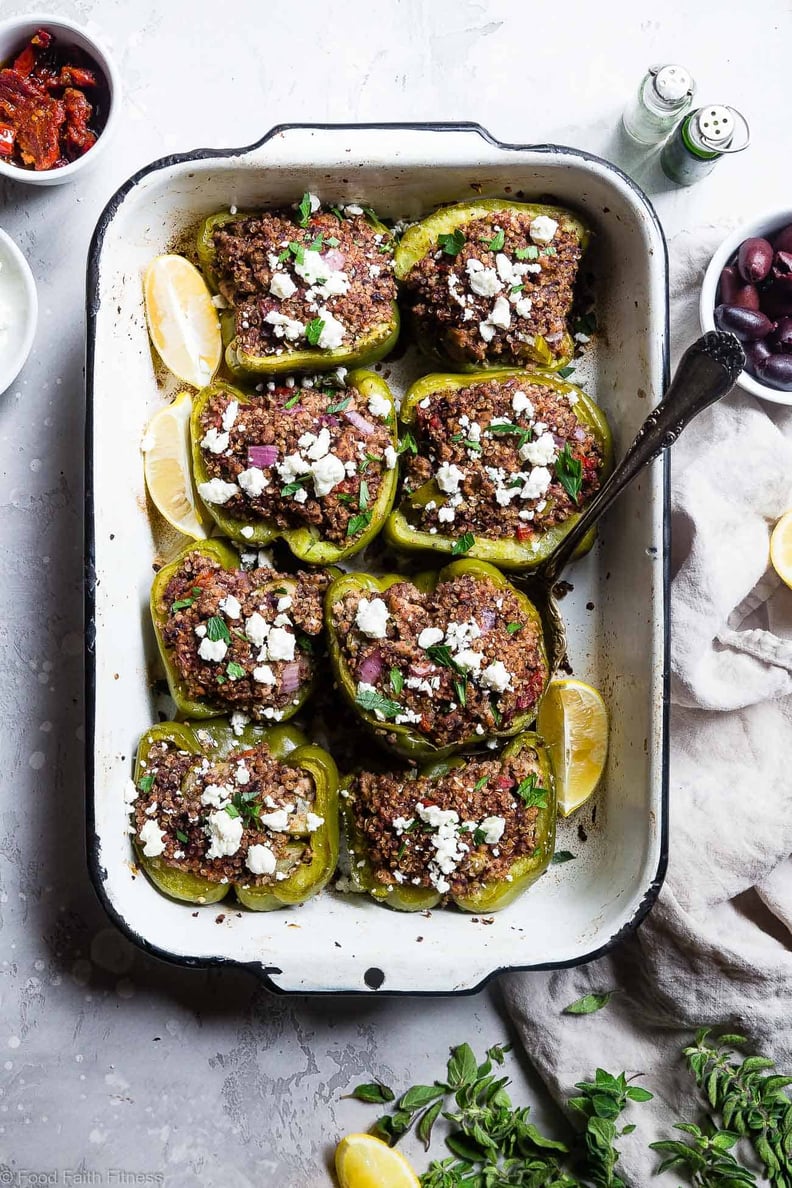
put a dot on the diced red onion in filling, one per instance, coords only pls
(262, 456)
(370, 668)
(290, 677)
(359, 422)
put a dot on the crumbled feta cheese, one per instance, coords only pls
(242, 773)
(459, 635)
(425, 402)
(352, 208)
(247, 531)
(391, 457)
(216, 795)
(407, 717)
(280, 644)
(372, 618)
(483, 281)
(540, 452)
(314, 203)
(327, 473)
(153, 839)
(264, 675)
(537, 483)
(523, 307)
(492, 828)
(449, 477)
(253, 481)
(225, 834)
(217, 491)
(230, 414)
(496, 676)
(522, 404)
(505, 268)
(130, 793)
(402, 824)
(300, 495)
(277, 821)
(582, 338)
(379, 406)
(256, 629)
(446, 515)
(212, 649)
(469, 660)
(283, 603)
(543, 229)
(260, 860)
(231, 606)
(333, 331)
(429, 636)
(282, 286)
(501, 313)
(285, 327)
(238, 722)
(292, 467)
(313, 822)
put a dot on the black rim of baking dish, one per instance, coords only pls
(374, 978)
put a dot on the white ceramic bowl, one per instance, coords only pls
(765, 226)
(14, 35)
(18, 310)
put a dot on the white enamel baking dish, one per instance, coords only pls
(616, 611)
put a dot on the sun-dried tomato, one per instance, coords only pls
(77, 136)
(35, 115)
(7, 138)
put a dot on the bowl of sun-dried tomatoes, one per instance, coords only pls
(59, 94)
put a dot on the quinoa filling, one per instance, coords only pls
(500, 459)
(453, 833)
(495, 285)
(462, 660)
(300, 457)
(246, 819)
(243, 638)
(306, 279)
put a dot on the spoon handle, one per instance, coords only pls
(708, 370)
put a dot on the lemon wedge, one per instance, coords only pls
(182, 321)
(166, 463)
(573, 721)
(781, 548)
(363, 1161)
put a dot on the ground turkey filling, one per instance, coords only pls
(487, 304)
(452, 833)
(247, 819)
(501, 459)
(298, 457)
(460, 661)
(242, 638)
(326, 285)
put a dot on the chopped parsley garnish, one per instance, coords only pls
(479, 836)
(340, 406)
(244, 805)
(217, 629)
(358, 523)
(513, 628)
(565, 372)
(495, 713)
(346, 498)
(569, 471)
(586, 324)
(516, 288)
(374, 702)
(396, 680)
(313, 330)
(452, 244)
(550, 250)
(221, 680)
(407, 443)
(496, 243)
(527, 253)
(295, 399)
(304, 210)
(304, 643)
(367, 459)
(363, 498)
(332, 241)
(480, 783)
(234, 670)
(531, 792)
(182, 836)
(292, 488)
(316, 246)
(562, 856)
(523, 431)
(401, 850)
(468, 442)
(298, 251)
(463, 545)
(232, 810)
(461, 692)
(338, 212)
(182, 604)
(146, 783)
(441, 654)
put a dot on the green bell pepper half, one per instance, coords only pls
(421, 239)
(404, 739)
(510, 554)
(217, 550)
(305, 543)
(490, 896)
(370, 348)
(215, 739)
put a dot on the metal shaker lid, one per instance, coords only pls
(714, 128)
(672, 83)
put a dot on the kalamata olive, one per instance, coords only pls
(733, 291)
(756, 353)
(777, 372)
(782, 240)
(747, 324)
(776, 299)
(754, 260)
(781, 338)
(782, 265)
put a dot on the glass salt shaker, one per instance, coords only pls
(664, 96)
(699, 142)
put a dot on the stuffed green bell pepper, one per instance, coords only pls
(234, 639)
(253, 808)
(504, 461)
(438, 663)
(304, 289)
(315, 466)
(491, 282)
(474, 832)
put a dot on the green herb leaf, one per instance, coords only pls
(358, 523)
(562, 856)
(339, 406)
(332, 241)
(452, 244)
(373, 1092)
(462, 1067)
(234, 670)
(482, 783)
(565, 372)
(304, 210)
(296, 485)
(216, 629)
(496, 243)
(426, 1122)
(232, 810)
(569, 471)
(531, 793)
(419, 1096)
(441, 654)
(181, 604)
(586, 324)
(298, 251)
(295, 399)
(550, 250)
(527, 253)
(479, 836)
(363, 498)
(145, 784)
(513, 628)
(407, 443)
(588, 1004)
(313, 330)
(338, 212)
(182, 837)
(461, 692)
(396, 680)
(463, 545)
(316, 245)
(374, 702)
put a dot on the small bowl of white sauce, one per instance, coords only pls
(18, 310)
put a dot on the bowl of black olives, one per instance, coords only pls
(747, 290)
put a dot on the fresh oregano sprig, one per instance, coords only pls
(705, 1159)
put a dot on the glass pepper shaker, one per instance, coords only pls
(664, 96)
(699, 142)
